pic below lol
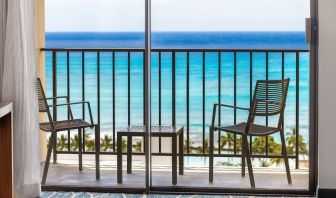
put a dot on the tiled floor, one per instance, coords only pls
(98, 195)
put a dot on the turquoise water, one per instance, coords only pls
(187, 40)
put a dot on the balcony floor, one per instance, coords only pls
(66, 173)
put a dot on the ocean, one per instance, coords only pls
(175, 40)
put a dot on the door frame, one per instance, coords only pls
(313, 125)
(313, 132)
(313, 100)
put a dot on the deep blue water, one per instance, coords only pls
(217, 40)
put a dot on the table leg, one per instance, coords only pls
(211, 155)
(97, 150)
(181, 148)
(174, 160)
(129, 154)
(80, 149)
(55, 151)
(119, 159)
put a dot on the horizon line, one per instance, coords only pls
(200, 31)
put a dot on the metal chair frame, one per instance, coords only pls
(268, 100)
(53, 127)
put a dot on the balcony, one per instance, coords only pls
(185, 84)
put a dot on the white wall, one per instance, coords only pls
(327, 94)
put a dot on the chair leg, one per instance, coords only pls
(285, 156)
(174, 160)
(80, 149)
(47, 162)
(55, 150)
(249, 162)
(243, 159)
(211, 156)
(97, 150)
(181, 160)
(129, 154)
(119, 158)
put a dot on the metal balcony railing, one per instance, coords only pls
(55, 63)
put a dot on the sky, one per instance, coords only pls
(176, 15)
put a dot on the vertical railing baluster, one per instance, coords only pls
(173, 89)
(282, 65)
(54, 54)
(297, 114)
(160, 121)
(203, 101)
(219, 99)
(143, 91)
(235, 99)
(128, 88)
(188, 102)
(68, 93)
(267, 68)
(251, 82)
(83, 96)
(113, 102)
(98, 89)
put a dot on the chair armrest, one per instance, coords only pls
(61, 97)
(70, 103)
(57, 97)
(75, 103)
(234, 107)
(223, 105)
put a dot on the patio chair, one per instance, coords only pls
(65, 125)
(269, 99)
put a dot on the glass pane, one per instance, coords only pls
(101, 61)
(214, 51)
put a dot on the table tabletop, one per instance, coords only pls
(155, 130)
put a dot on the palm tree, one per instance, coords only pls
(291, 144)
(74, 143)
(138, 146)
(273, 146)
(89, 142)
(258, 147)
(106, 143)
(191, 146)
(206, 147)
(123, 146)
(239, 144)
(62, 143)
(228, 141)
(276, 149)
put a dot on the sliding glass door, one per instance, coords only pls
(95, 52)
(214, 51)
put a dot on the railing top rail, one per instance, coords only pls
(170, 50)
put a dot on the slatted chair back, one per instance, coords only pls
(42, 101)
(269, 98)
